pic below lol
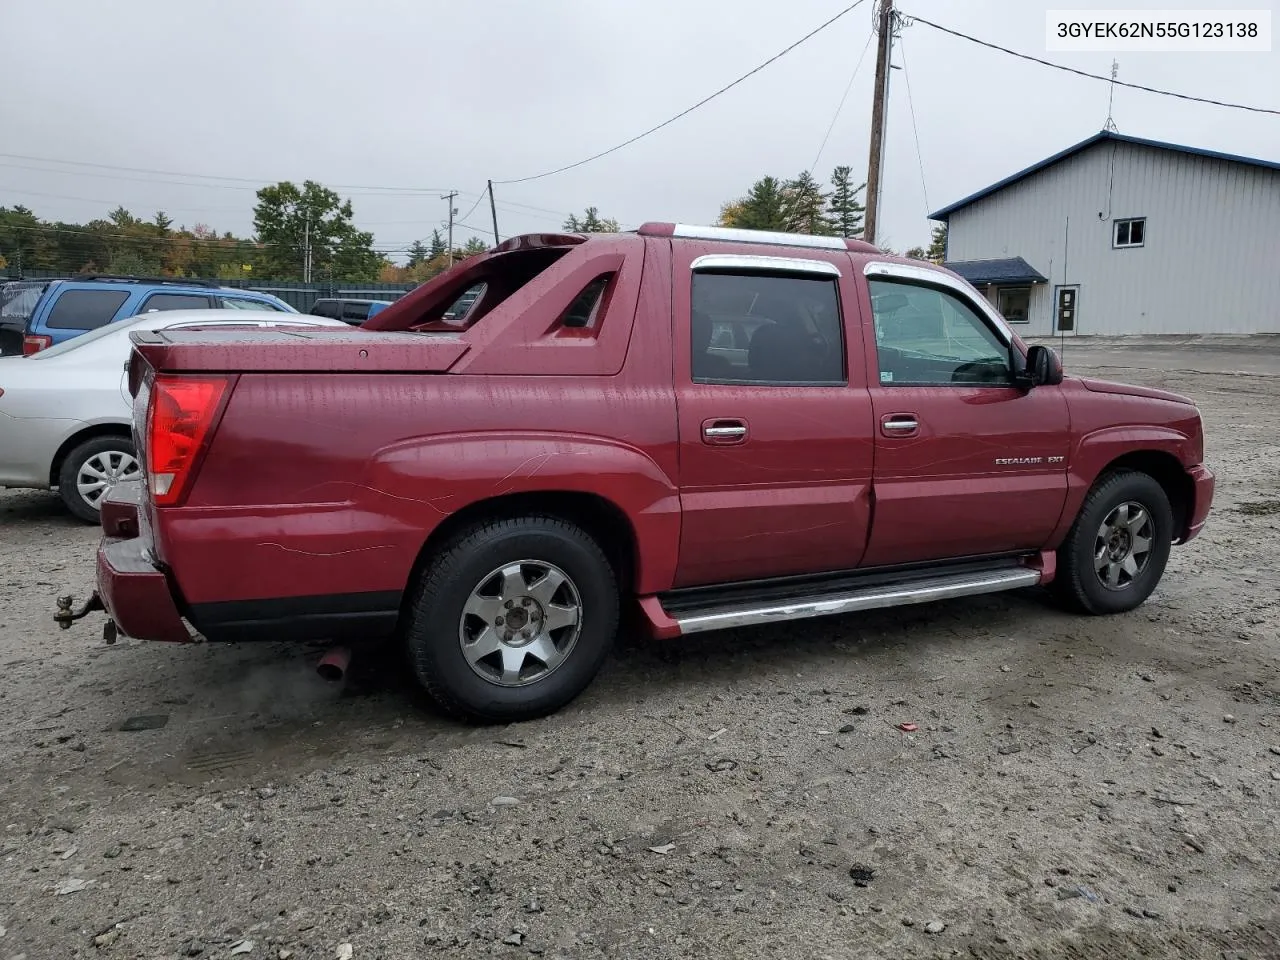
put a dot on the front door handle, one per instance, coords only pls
(721, 431)
(899, 425)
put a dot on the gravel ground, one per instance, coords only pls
(1075, 788)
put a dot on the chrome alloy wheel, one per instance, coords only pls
(1123, 545)
(520, 623)
(101, 472)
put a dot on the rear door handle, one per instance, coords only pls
(724, 431)
(899, 424)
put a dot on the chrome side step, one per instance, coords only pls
(943, 587)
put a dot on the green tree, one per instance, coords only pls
(805, 206)
(937, 251)
(418, 253)
(288, 218)
(437, 246)
(476, 245)
(592, 222)
(843, 209)
(761, 209)
(916, 253)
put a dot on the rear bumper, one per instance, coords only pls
(1202, 480)
(133, 589)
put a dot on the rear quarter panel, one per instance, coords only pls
(318, 484)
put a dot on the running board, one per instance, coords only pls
(868, 597)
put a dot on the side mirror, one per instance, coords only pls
(1043, 366)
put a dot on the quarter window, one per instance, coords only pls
(929, 337)
(1130, 233)
(781, 330)
(85, 309)
(174, 301)
(239, 303)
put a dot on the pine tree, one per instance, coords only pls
(844, 209)
(418, 253)
(437, 246)
(805, 206)
(591, 222)
(937, 251)
(761, 209)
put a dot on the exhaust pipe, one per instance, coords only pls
(333, 665)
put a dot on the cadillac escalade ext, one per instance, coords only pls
(710, 427)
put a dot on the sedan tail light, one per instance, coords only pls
(180, 413)
(34, 344)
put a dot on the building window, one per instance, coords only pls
(1130, 233)
(1014, 303)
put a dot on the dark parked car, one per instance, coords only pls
(354, 312)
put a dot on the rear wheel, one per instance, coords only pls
(1116, 551)
(92, 468)
(513, 619)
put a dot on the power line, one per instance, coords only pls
(686, 112)
(116, 202)
(915, 128)
(836, 116)
(1092, 76)
(201, 176)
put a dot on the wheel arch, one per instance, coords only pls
(601, 518)
(1168, 471)
(92, 432)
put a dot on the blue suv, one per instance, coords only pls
(67, 308)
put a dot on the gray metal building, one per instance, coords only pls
(1119, 235)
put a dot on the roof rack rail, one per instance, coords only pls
(121, 278)
(688, 231)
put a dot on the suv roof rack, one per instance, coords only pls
(117, 278)
(688, 231)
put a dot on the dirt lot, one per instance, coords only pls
(1076, 788)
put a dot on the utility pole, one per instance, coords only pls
(874, 174)
(493, 209)
(306, 251)
(452, 210)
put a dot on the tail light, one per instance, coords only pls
(34, 344)
(180, 414)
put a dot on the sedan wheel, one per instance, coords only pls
(91, 469)
(102, 471)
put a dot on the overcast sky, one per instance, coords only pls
(430, 96)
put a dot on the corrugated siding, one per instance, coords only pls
(1211, 259)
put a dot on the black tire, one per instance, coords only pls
(1078, 583)
(435, 617)
(106, 446)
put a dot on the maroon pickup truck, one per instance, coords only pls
(717, 427)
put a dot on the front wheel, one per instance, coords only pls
(1117, 549)
(513, 619)
(92, 468)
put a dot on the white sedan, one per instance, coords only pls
(66, 413)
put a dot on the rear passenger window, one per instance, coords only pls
(766, 328)
(85, 309)
(326, 308)
(174, 301)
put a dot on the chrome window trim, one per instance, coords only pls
(759, 264)
(877, 269)
(685, 231)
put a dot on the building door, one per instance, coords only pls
(1065, 300)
